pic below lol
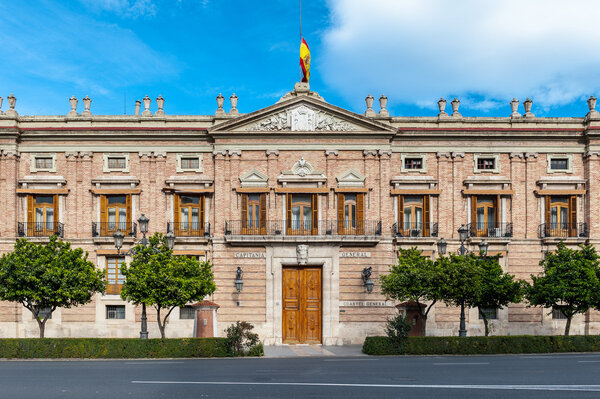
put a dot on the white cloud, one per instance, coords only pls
(417, 51)
(127, 8)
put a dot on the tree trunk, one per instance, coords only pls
(568, 326)
(42, 325)
(485, 322)
(161, 326)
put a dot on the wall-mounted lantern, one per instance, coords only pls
(239, 283)
(366, 277)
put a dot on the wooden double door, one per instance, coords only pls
(302, 313)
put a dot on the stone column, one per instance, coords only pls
(385, 194)
(220, 189)
(331, 171)
(144, 197)
(162, 216)
(519, 186)
(532, 215)
(592, 175)
(445, 212)
(72, 224)
(459, 211)
(12, 175)
(372, 184)
(234, 203)
(273, 212)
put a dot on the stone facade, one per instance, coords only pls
(299, 146)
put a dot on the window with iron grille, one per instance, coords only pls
(192, 163)
(117, 163)
(187, 312)
(557, 313)
(413, 163)
(43, 312)
(115, 311)
(486, 163)
(43, 162)
(490, 313)
(559, 164)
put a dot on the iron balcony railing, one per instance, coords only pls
(40, 229)
(563, 230)
(189, 229)
(304, 228)
(407, 230)
(491, 230)
(108, 229)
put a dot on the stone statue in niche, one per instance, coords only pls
(302, 254)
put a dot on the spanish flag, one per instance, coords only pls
(305, 60)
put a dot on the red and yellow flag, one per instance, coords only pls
(305, 60)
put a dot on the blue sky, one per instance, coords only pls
(188, 51)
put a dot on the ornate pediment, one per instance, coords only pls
(302, 114)
(351, 178)
(254, 178)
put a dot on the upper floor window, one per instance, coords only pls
(115, 214)
(189, 215)
(43, 163)
(485, 216)
(116, 163)
(413, 163)
(561, 216)
(350, 213)
(114, 278)
(302, 214)
(560, 163)
(254, 213)
(486, 163)
(189, 163)
(42, 215)
(413, 216)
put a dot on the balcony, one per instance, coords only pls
(40, 229)
(563, 230)
(189, 229)
(415, 230)
(489, 230)
(323, 231)
(107, 229)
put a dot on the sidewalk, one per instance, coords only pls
(313, 351)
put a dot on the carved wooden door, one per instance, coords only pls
(302, 305)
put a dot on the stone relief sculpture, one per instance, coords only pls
(303, 119)
(302, 168)
(302, 254)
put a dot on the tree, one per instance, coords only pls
(569, 282)
(48, 276)
(461, 282)
(497, 289)
(165, 281)
(414, 278)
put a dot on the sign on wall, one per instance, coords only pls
(251, 255)
(366, 304)
(355, 254)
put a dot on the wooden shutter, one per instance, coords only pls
(30, 213)
(176, 214)
(400, 228)
(547, 217)
(426, 216)
(244, 212)
(360, 213)
(573, 215)
(288, 212)
(262, 222)
(474, 214)
(340, 213)
(201, 203)
(56, 210)
(315, 214)
(128, 213)
(103, 211)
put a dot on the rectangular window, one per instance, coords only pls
(491, 313)
(559, 164)
(43, 312)
(189, 215)
(115, 311)
(413, 163)
(561, 216)
(43, 162)
(485, 217)
(302, 214)
(190, 163)
(117, 163)
(413, 216)
(486, 163)
(187, 313)
(350, 213)
(114, 278)
(254, 214)
(115, 214)
(42, 215)
(557, 314)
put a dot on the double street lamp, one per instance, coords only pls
(463, 235)
(118, 238)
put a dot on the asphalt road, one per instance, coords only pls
(516, 376)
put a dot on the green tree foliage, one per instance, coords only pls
(497, 289)
(414, 278)
(165, 281)
(48, 276)
(570, 281)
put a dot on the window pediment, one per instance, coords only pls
(350, 178)
(253, 178)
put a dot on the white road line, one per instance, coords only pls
(152, 362)
(582, 388)
(351, 360)
(588, 361)
(457, 364)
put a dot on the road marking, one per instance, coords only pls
(457, 364)
(582, 388)
(588, 361)
(152, 362)
(350, 360)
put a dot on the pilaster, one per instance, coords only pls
(532, 219)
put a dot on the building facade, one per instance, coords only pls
(304, 197)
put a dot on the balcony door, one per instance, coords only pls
(302, 214)
(115, 214)
(189, 215)
(413, 216)
(561, 216)
(254, 214)
(485, 216)
(42, 217)
(350, 216)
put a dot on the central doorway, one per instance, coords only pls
(302, 305)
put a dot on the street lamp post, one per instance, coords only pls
(463, 234)
(118, 238)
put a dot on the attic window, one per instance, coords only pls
(43, 162)
(189, 163)
(117, 163)
(486, 163)
(413, 163)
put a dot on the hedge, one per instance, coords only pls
(482, 345)
(114, 348)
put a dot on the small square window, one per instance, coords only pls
(115, 311)
(559, 164)
(557, 314)
(491, 313)
(413, 163)
(187, 313)
(117, 163)
(190, 163)
(43, 162)
(43, 312)
(486, 163)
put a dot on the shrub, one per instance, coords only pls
(241, 341)
(397, 329)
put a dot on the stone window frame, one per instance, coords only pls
(408, 155)
(568, 157)
(179, 169)
(34, 169)
(116, 313)
(496, 158)
(105, 157)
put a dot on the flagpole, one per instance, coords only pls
(300, 15)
